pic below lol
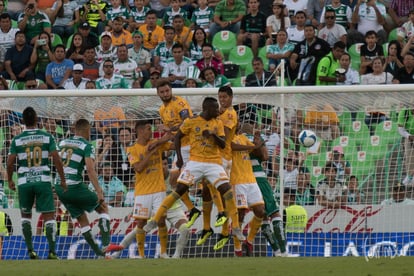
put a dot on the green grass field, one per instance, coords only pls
(213, 266)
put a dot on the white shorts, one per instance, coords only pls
(247, 195)
(227, 165)
(194, 171)
(176, 213)
(185, 152)
(145, 206)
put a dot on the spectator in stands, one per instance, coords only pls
(155, 75)
(105, 148)
(405, 74)
(192, 77)
(378, 76)
(176, 67)
(293, 7)
(117, 11)
(260, 77)
(7, 36)
(59, 69)
(140, 55)
(351, 75)
(122, 168)
(343, 14)
(277, 21)
(282, 49)
(138, 13)
(352, 193)
(42, 55)
(368, 16)
(209, 60)
(64, 15)
(76, 49)
(90, 84)
(343, 167)
(32, 83)
(77, 81)
(407, 29)
(195, 48)
(163, 51)
(172, 11)
(3, 84)
(90, 65)
(159, 6)
(306, 56)
(406, 130)
(324, 120)
(305, 193)
(295, 217)
(94, 13)
(314, 10)
(253, 28)
(153, 34)
(112, 187)
(105, 51)
(369, 51)
(202, 17)
(394, 60)
(327, 70)
(399, 11)
(119, 34)
(109, 80)
(17, 60)
(296, 33)
(90, 38)
(211, 79)
(332, 32)
(126, 66)
(329, 192)
(183, 34)
(399, 196)
(32, 21)
(227, 16)
(6, 225)
(290, 170)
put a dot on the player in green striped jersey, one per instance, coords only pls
(31, 150)
(76, 153)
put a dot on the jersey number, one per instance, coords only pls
(66, 155)
(34, 158)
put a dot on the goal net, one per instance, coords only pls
(363, 208)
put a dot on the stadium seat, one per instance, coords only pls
(224, 41)
(148, 84)
(241, 55)
(361, 164)
(385, 48)
(358, 132)
(393, 34)
(388, 132)
(375, 147)
(346, 142)
(355, 53)
(56, 40)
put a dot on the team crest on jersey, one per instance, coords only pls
(197, 129)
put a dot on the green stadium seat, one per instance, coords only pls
(361, 164)
(355, 53)
(358, 132)
(385, 48)
(56, 40)
(241, 55)
(376, 147)
(393, 35)
(346, 142)
(224, 41)
(388, 132)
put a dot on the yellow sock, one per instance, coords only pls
(225, 228)
(237, 244)
(163, 235)
(140, 236)
(254, 224)
(207, 206)
(187, 201)
(165, 205)
(231, 209)
(215, 195)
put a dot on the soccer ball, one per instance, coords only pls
(307, 138)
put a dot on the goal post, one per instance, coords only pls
(366, 222)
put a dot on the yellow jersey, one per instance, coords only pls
(151, 179)
(152, 39)
(124, 38)
(241, 170)
(172, 114)
(326, 115)
(185, 37)
(203, 149)
(229, 119)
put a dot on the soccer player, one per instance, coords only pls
(77, 153)
(32, 149)
(175, 215)
(275, 236)
(206, 133)
(173, 112)
(246, 189)
(145, 156)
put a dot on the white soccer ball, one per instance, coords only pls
(307, 138)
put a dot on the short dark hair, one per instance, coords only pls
(29, 116)
(5, 16)
(166, 28)
(124, 128)
(151, 12)
(328, 166)
(227, 90)
(207, 101)
(176, 46)
(163, 82)
(339, 45)
(371, 32)
(141, 123)
(82, 124)
(59, 46)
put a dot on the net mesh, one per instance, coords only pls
(361, 125)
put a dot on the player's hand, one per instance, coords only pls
(12, 185)
(206, 133)
(63, 185)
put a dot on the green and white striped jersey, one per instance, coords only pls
(32, 148)
(73, 152)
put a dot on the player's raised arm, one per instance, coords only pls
(93, 177)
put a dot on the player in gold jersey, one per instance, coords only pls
(145, 156)
(206, 134)
(173, 112)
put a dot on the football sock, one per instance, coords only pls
(207, 206)
(255, 224)
(105, 227)
(185, 198)
(140, 236)
(215, 195)
(165, 205)
(231, 210)
(269, 235)
(50, 226)
(279, 233)
(163, 236)
(27, 233)
(87, 234)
